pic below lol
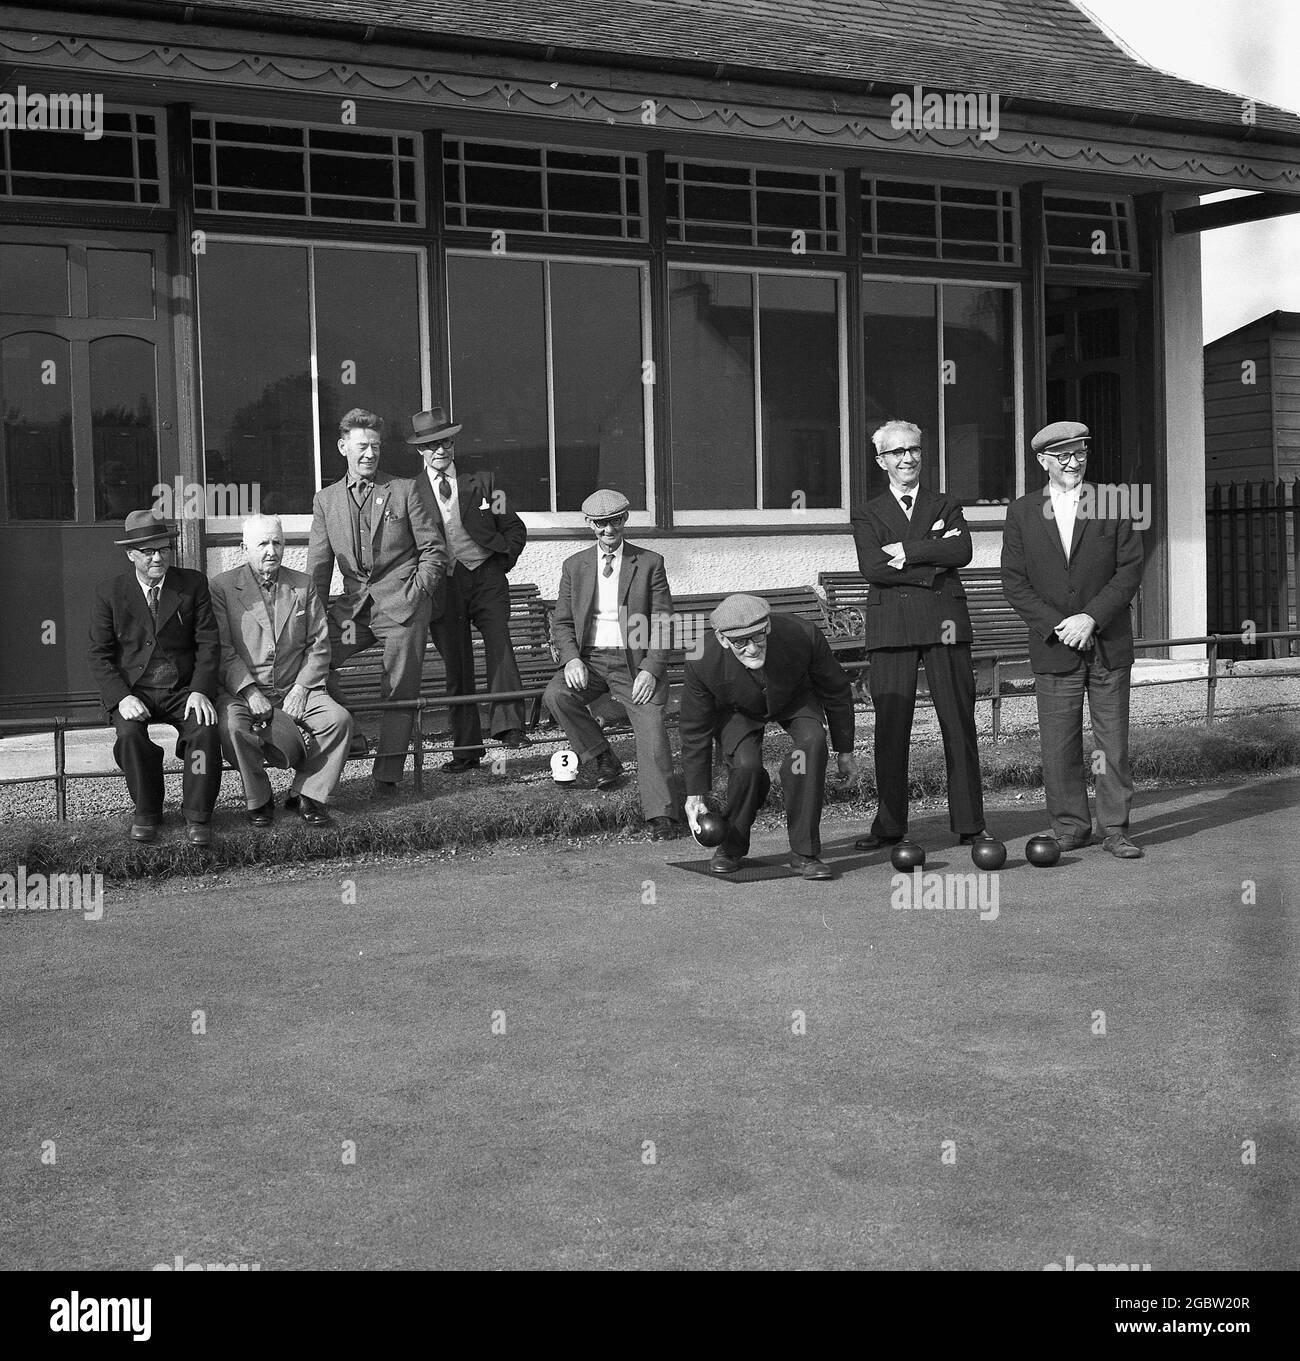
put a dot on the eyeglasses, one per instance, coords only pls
(153, 552)
(611, 522)
(753, 640)
(898, 453)
(1079, 456)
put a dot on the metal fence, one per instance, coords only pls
(1218, 667)
(1253, 566)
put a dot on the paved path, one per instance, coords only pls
(691, 1073)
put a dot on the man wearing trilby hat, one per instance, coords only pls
(484, 539)
(275, 658)
(1071, 574)
(613, 620)
(155, 654)
(756, 668)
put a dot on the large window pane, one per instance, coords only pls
(799, 348)
(368, 349)
(123, 424)
(979, 392)
(498, 372)
(900, 357)
(256, 356)
(33, 280)
(712, 339)
(36, 398)
(599, 395)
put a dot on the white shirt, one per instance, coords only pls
(1065, 510)
(609, 631)
(898, 496)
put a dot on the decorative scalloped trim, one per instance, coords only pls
(610, 107)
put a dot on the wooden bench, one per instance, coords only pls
(530, 635)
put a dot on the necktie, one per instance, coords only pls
(609, 565)
(907, 505)
(444, 487)
(153, 603)
(361, 492)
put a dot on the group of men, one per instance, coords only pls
(249, 664)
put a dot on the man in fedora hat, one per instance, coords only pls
(275, 658)
(391, 557)
(155, 654)
(613, 632)
(484, 539)
(756, 668)
(1071, 575)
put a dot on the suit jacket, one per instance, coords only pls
(124, 639)
(645, 607)
(925, 602)
(500, 531)
(408, 555)
(275, 655)
(721, 698)
(1101, 578)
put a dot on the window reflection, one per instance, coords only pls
(979, 400)
(900, 359)
(36, 398)
(33, 280)
(124, 428)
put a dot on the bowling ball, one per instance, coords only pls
(564, 767)
(907, 856)
(1043, 851)
(712, 829)
(988, 854)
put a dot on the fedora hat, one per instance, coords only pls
(286, 744)
(428, 427)
(144, 527)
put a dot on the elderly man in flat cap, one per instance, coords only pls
(911, 542)
(155, 653)
(484, 539)
(613, 630)
(1071, 573)
(275, 659)
(757, 668)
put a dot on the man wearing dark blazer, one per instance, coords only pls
(612, 628)
(1071, 565)
(484, 539)
(910, 543)
(275, 657)
(391, 557)
(757, 668)
(155, 653)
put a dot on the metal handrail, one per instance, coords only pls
(60, 725)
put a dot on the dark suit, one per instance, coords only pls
(388, 601)
(275, 649)
(478, 595)
(805, 687)
(161, 665)
(1100, 578)
(645, 607)
(918, 615)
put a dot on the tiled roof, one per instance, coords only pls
(1046, 54)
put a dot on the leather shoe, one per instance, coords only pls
(1122, 848)
(664, 829)
(358, 747)
(514, 738)
(199, 833)
(1074, 843)
(261, 817)
(312, 813)
(875, 843)
(609, 770)
(291, 802)
(720, 863)
(383, 789)
(144, 831)
(970, 838)
(810, 867)
(458, 765)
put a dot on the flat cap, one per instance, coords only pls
(739, 615)
(602, 504)
(1059, 432)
